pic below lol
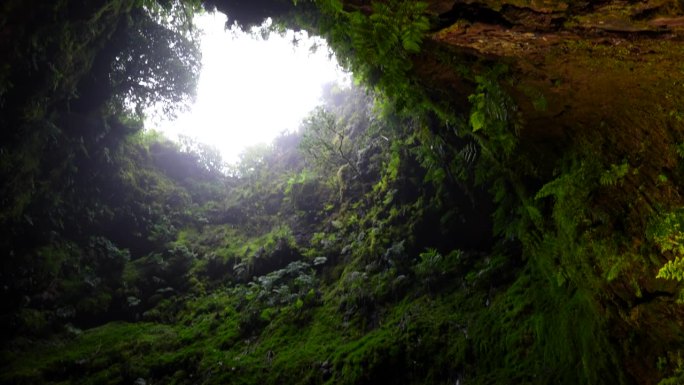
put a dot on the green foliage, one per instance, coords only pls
(433, 268)
(344, 132)
(562, 337)
(616, 174)
(326, 142)
(680, 149)
(571, 191)
(394, 22)
(252, 161)
(377, 46)
(262, 299)
(433, 263)
(44, 61)
(32, 322)
(430, 153)
(392, 166)
(537, 98)
(667, 234)
(673, 270)
(676, 361)
(155, 60)
(146, 138)
(394, 27)
(105, 257)
(216, 262)
(293, 183)
(207, 156)
(492, 115)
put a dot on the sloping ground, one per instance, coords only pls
(509, 228)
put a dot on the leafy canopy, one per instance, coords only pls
(152, 59)
(161, 62)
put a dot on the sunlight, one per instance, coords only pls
(251, 89)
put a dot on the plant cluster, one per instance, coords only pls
(394, 238)
(668, 236)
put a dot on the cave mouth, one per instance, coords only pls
(254, 85)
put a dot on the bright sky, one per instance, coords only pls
(251, 89)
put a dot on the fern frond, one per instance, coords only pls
(673, 270)
(615, 174)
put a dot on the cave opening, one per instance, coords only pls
(496, 198)
(255, 83)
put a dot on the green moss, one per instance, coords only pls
(95, 354)
(390, 300)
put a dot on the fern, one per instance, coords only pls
(680, 149)
(668, 235)
(615, 174)
(491, 120)
(672, 270)
(571, 191)
(378, 46)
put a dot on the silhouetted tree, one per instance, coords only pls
(147, 61)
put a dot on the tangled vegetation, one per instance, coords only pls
(409, 232)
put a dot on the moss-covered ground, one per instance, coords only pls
(504, 207)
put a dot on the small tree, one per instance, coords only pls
(207, 157)
(326, 141)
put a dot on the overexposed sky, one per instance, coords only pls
(251, 89)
